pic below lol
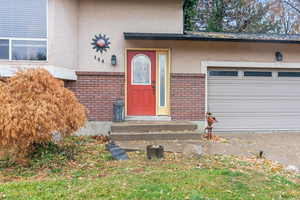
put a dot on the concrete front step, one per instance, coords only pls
(154, 136)
(152, 126)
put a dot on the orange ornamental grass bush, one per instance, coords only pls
(33, 106)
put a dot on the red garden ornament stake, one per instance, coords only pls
(210, 121)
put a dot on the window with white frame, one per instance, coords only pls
(23, 30)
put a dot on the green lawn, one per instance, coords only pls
(93, 175)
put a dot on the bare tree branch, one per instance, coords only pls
(292, 6)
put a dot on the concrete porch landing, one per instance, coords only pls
(154, 130)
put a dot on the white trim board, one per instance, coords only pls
(58, 72)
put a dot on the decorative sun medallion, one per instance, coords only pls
(100, 43)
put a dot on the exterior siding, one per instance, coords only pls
(98, 91)
(63, 33)
(113, 18)
(187, 96)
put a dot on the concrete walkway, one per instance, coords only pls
(284, 148)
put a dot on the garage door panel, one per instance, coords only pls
(269, 90)
(266, 97)
(252, 115)
(256, 123)
(271, 93)
(255, 103)
(258, 107)
(255, 81)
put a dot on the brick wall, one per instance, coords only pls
(98, 91)
(187, 96)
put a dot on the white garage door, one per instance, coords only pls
(254, 101)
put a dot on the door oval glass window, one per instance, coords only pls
(141, 70)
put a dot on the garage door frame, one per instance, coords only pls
(237, 64)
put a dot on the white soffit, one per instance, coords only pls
(58, 72)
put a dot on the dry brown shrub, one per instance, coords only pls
(34, 105)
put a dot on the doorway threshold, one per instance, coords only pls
(148, 118)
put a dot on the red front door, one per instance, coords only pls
(141, 81)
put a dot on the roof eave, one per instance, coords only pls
(190, 37)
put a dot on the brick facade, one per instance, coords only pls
(187, 96)
(98, 91)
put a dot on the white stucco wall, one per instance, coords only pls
(72, 25)
(186, 56)
(113, 18)
(63, 33)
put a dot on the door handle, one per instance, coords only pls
(153, 87)
(153, 84)
(154, 90)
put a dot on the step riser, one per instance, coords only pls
(152, 128)
(148, 137)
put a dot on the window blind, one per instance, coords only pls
(23, 18)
